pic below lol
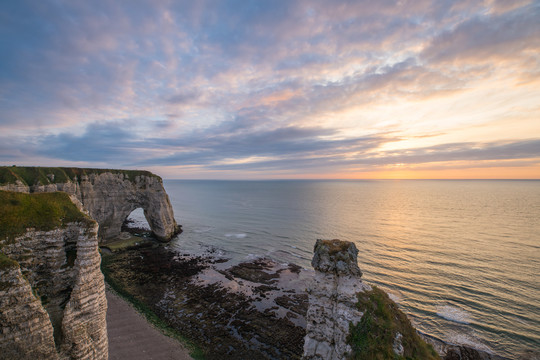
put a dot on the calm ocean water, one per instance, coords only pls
(461, 258)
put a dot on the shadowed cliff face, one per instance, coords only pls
(109, 196)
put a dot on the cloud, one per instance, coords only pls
(288, 142)
(524, 149)
(281, 149)
(488, 38)
(476, 153)
(183, 98)
(258, 84)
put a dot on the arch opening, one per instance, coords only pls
(136, 224)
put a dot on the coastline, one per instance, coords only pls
(230, 312)
(249, 314)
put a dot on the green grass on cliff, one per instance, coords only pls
(51, 175)
(373, 336)
(6, 262)
(42, 211)
(334, 246)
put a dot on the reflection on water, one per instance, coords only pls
(461, 257)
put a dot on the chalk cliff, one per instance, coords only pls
(347, 318)
(109, 196)
(332, 299)
(52, 292)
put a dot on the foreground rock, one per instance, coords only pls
(348, 318)
(109, 196)
(462, 352)
(52, 293)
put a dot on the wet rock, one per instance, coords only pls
(297, 303)
(255, 271)
(466, 353)
(452, 352)
(227, 321)
(261, 290)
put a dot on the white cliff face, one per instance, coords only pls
(17, 186)
(25, 329)
(338, 299)
(109, 198)
(52, 302)
(332, 299)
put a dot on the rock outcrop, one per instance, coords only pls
(52, 291)
(463, 352)
(109, 196)
(332, 300)
(347, 318)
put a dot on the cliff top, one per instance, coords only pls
(30, 175)
(336, 256)
(42, 211)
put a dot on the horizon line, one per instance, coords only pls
(359, 179)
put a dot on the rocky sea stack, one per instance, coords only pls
(347, 318)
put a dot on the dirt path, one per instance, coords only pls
(132, 337)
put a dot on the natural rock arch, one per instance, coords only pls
(134, 220)
(110, 199)
(109, 196)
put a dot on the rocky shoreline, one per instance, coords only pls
(248, 310)
(258, 308)
(252, 309)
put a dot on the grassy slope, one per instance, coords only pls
(42, 211)
(6, 262)
(34, 175)
(373, 336)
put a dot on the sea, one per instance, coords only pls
(460, 257)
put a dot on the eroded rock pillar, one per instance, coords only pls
(332, 299)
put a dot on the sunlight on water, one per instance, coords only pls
(460, 257)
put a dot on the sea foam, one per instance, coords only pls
(238, 236)
(454, 314)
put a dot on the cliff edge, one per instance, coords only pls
(52, 292)
(109, 196)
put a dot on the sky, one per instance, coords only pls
(273, 89)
